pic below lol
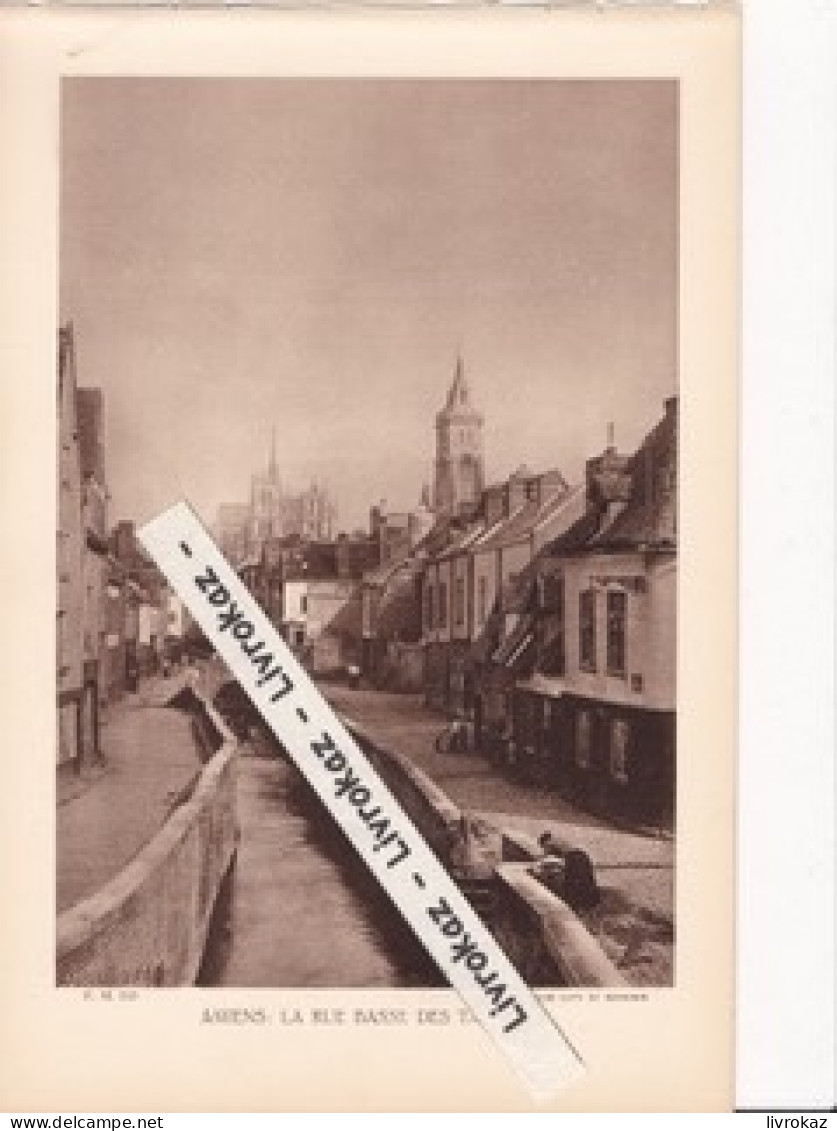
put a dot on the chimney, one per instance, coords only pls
(419, 523)
(518, 488)
(494, 504)
(125, 541)
(550, 485)
(608, 485)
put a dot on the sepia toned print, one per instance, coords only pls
(410, 349)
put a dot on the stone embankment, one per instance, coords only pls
(542, 935)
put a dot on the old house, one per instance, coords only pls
(322, 604)
(393, 654)
(436, 632)
(70, 549)
(541, 508)
(596, 717)
(116, 658)
(466, 577)
(81, 611)
(396, 533)
(311, 593)
(449, 588)
(522, 515)
(377, 590)
(124, 599)
(94, 497)
(139, 600)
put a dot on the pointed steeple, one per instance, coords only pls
(272, 470)
(458, 476)
(459, 394)
(458, 403)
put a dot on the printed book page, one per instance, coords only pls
(431, 321)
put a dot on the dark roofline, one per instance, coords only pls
(97, 544)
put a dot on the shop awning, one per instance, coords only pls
(517, 651)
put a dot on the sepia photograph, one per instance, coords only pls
(410, 349)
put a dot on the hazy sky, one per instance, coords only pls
(312, 254)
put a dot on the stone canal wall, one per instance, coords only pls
(540, 933)
(427, 806)
(148, 926)
(543, 936)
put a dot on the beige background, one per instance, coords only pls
(671, 1052)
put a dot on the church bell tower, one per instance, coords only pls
(459, 472)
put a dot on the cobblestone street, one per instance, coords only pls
(635, 872)
(469, 779)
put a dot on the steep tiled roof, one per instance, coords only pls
(320, 562)
(524, 521)
(400, 612)
(649, 516)
(518, 596)
(382, 573)
(576, 538)
(510, 529)
(516, 652)
(354, 557)
(464, 540)
(487, 533)
(445, 529)
(346, 622)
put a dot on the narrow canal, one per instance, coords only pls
(299, 908)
